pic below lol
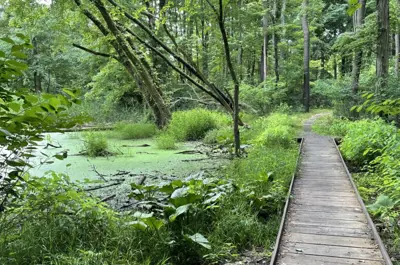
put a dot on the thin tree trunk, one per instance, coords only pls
(358, 20)
(306, 85)
(382, 47)
(275, 42)
(334, 67)
(397, 55)
(236, 120)
(397, 45)
(264, 59)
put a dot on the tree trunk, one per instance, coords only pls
(232, 72)
(334, 67)
(382, 47)
(306, 85)
(397, 45)
(358, 20)
(264, 59)
(275, 42)
(161, 110)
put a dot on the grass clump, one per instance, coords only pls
(278, 130)
(128, 131)
(329, 125)
(95, 144)
(192, 125)
(222, 135)
(166, 142)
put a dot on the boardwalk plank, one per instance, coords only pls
(325, 222)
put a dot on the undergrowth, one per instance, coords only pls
(196, 220)
(95, 144)
(128, 131)
(192, 125)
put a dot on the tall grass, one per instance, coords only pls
(128, 131)
(192, 125)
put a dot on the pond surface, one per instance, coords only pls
(135, 156)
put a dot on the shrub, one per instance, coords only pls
(129, 131)
(278, 129)
(166, 141)
(219, 136)
(95, 144)
(328, 125)
(192, 125)
(365, 140)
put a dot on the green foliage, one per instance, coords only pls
(265, 98)
(376, 105)
(166, 141)
(329, 125)
(128, 131)
(55, 222)
(365, 140)
(191, 125)
(95, 144)
(278, 131)
(24, 117)
(222, 135)
(325, 92)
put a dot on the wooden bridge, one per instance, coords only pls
(325, 219)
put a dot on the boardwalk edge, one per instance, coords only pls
(285, 210)
(371, 224)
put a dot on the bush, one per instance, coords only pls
(278, 129)
(192, 125)
(328, 125)
(219, 136)
(128, 131)
(95, 144)
(365, 140)
(166, 142)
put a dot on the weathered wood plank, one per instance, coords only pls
(325, 224)
(333, 251)
(358, 242)
(333, 231)
(296, 259)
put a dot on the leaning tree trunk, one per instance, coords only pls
(306, 85)
(358, 20)
(382, 47)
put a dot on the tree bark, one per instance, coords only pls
(397, 45)
(161, 110)
(306, 85)
(334, 67)
(275, 42)
(382, 47)
(221, 23)
(264, 58)
(358, 20)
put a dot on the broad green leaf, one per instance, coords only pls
(14, 106)
(141, 215)
(8, 40)
(179, 211)
(199, 239)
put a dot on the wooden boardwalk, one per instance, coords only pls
(325, 223)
